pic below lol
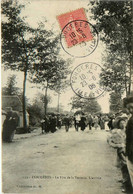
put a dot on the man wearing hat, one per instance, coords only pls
(128, 103)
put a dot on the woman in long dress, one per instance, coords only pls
(82, 122)
(9, 126)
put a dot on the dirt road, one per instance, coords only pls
(61, 163)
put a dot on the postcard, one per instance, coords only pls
(66, 68)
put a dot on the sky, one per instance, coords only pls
(39, 11)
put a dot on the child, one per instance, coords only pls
(117, 140)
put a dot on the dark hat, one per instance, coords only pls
(123, 117)
(128, 99)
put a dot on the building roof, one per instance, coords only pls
(11, 101)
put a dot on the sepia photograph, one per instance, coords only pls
(67, 96)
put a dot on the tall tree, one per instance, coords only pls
(28, 50)
(116, 74)
(49, 67)
(114, 21)
(59, 88)
(46, 99)
(17, 44)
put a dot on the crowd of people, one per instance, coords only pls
(119, 125)
(81, 121)
(51, 123)
(121, 139)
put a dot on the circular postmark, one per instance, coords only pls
(79, 38)
(85, 80)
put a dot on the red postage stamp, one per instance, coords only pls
(75, 27)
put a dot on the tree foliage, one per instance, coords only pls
(17, 40)
(17, 43)
(115, 102)
(10, 88)
(32, 51)
(59, 88)
(49, 67)
(50, 70)
(114, 22)
(36, 111)
(86, 105)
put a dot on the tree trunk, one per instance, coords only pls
(131, 60)
(58, 105)
(125, 82)
(130, 86)
(46, 100)
(132, 81)
(131, 75)
(24, 102)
